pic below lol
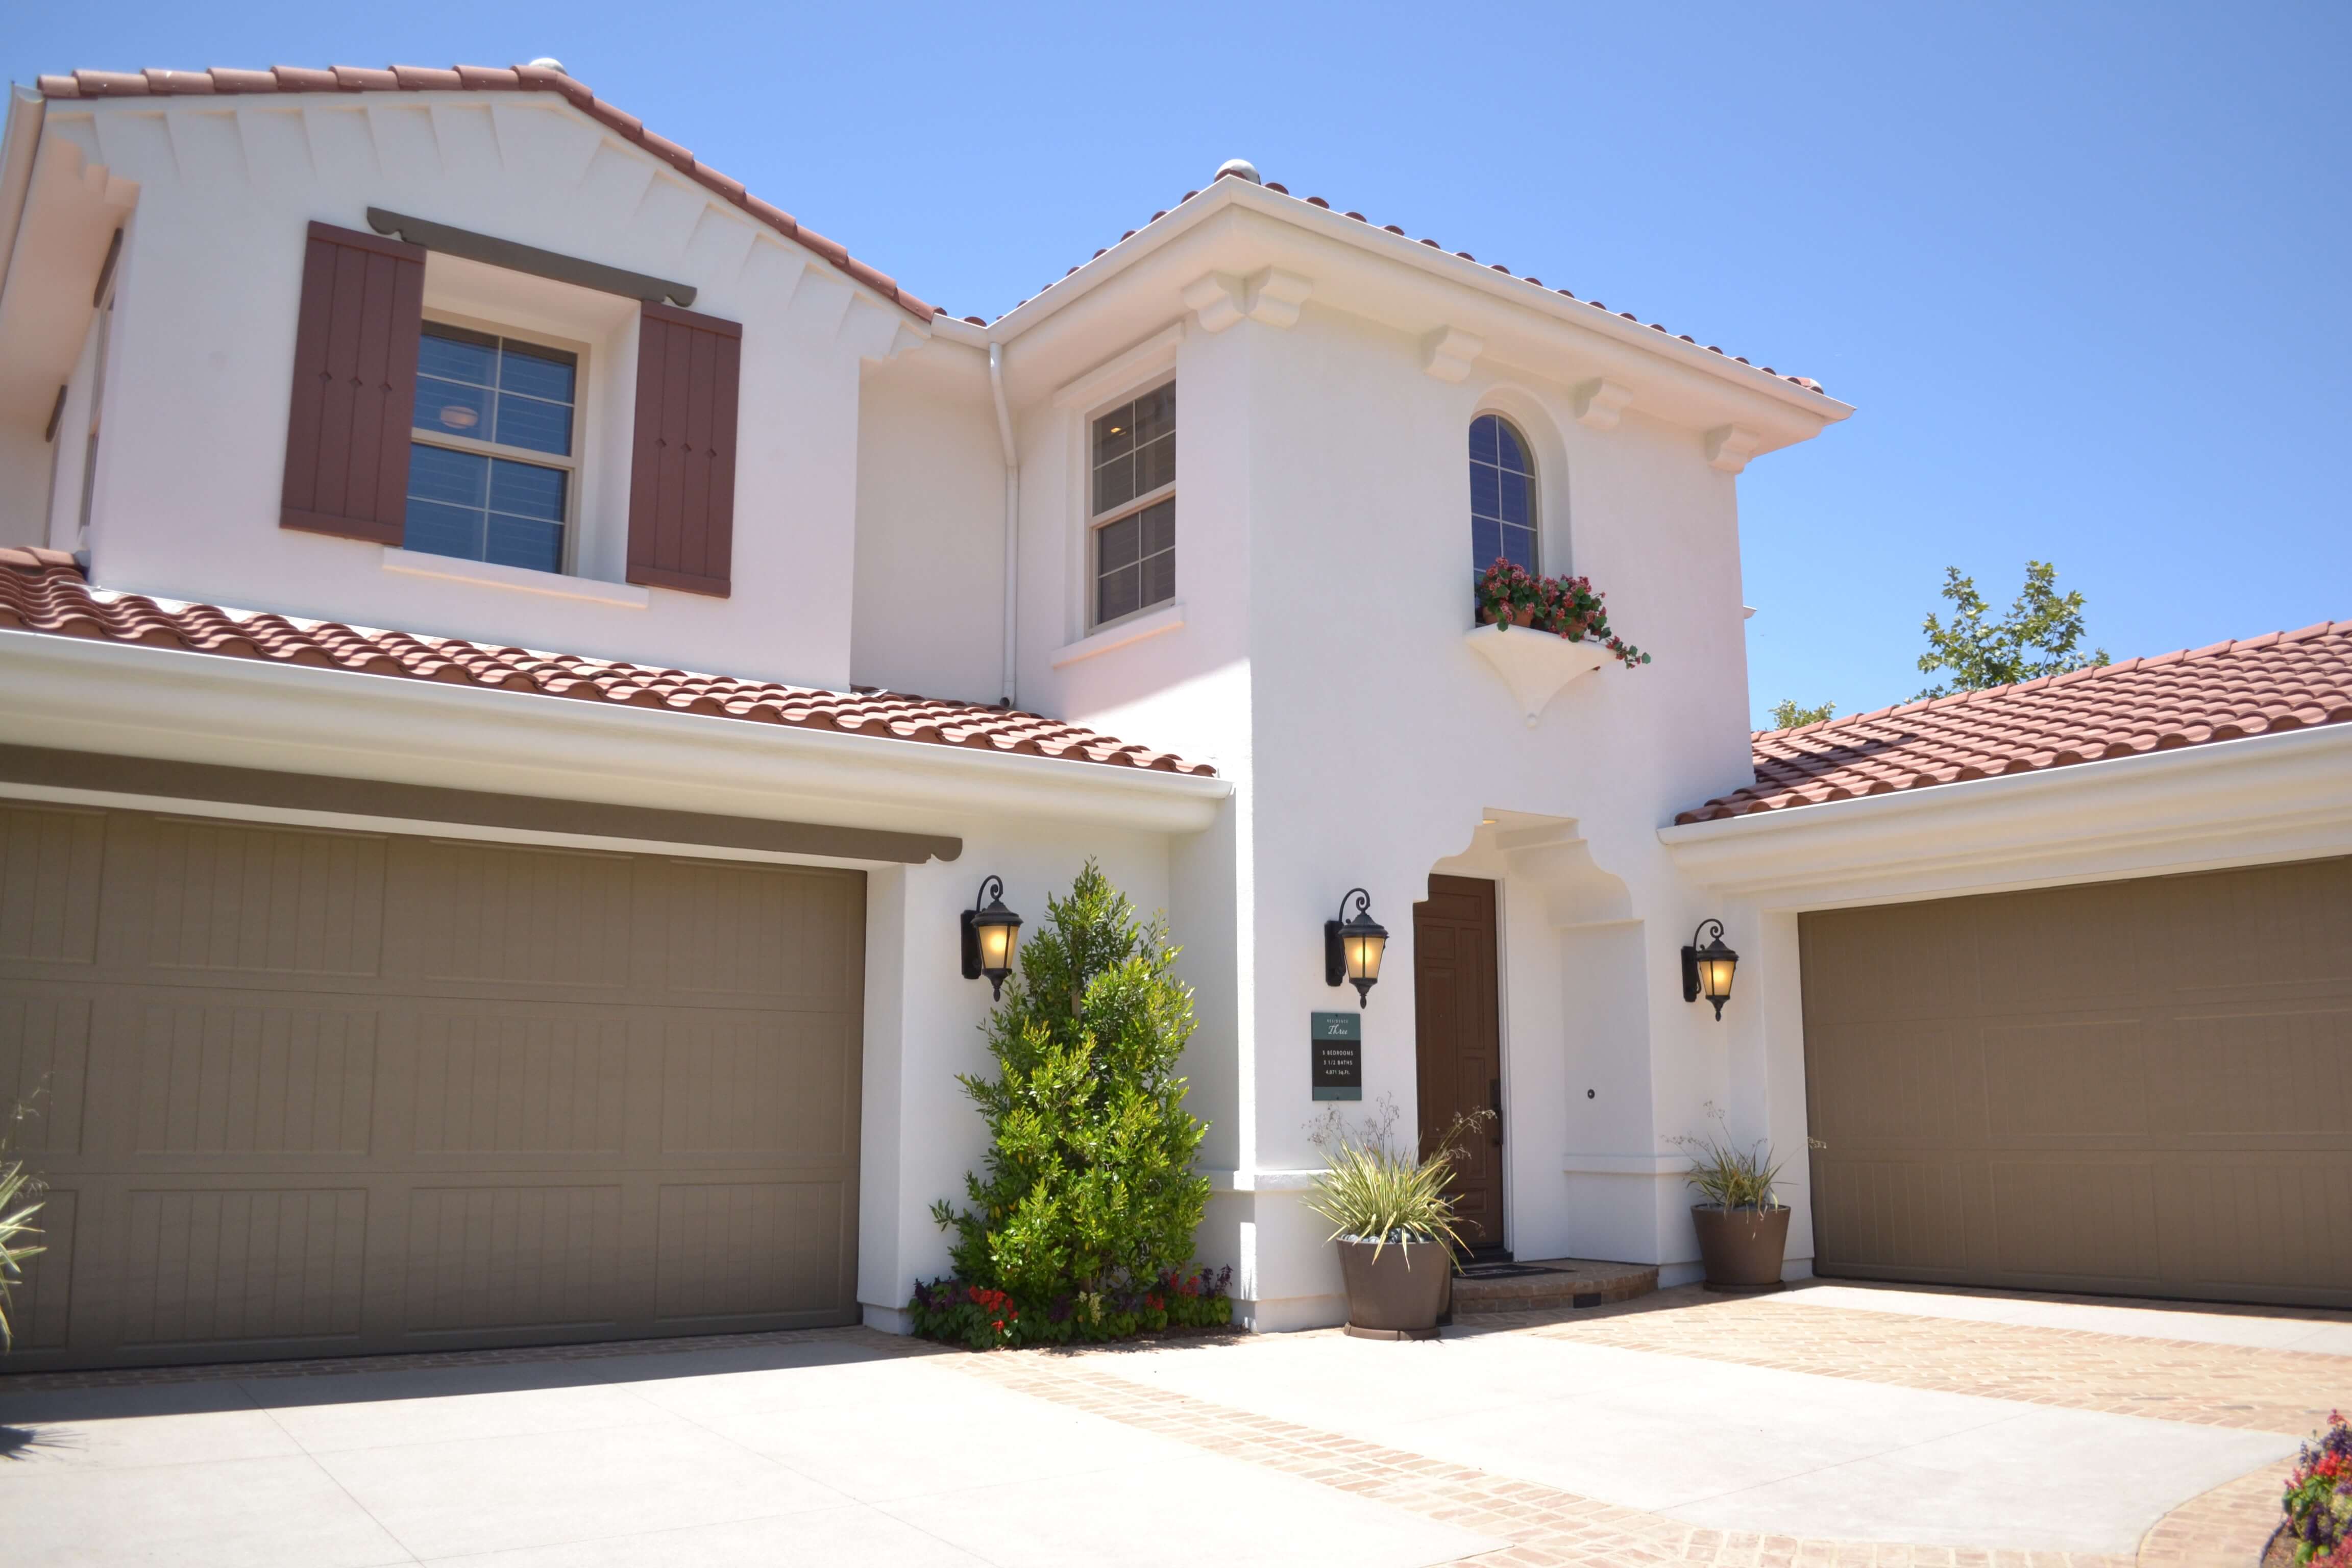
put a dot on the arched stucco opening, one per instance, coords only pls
(1572, 1020)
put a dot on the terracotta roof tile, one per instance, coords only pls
(44, 591)
(477, 79)
(1808, 382)
(2225, 691)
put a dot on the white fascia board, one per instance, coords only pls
(1811, 410)
(2261, 799)
(18, 144)
(126, 699)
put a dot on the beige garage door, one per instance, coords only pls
(2142, 1088)
(313, 1093)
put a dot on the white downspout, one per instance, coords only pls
(1011, 515)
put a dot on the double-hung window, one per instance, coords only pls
(494, 449)
(1132, 512)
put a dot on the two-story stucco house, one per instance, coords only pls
(516, 656)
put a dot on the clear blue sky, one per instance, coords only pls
(2082, 269)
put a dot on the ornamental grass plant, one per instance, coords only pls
(1375, 1189)
(20, 1201)
(1080, 1228)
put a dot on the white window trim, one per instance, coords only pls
(1537, 480)
(575, 463)
(490, 573)
(1124, 631)
(1093, 522)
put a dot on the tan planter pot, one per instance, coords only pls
(1742, 1248)
(1401, 1294)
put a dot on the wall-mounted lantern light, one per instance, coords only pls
(1352, 947)
(1707, 971)
(991, 932)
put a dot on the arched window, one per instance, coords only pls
(1502, 494)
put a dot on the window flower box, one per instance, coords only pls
(1566, 633)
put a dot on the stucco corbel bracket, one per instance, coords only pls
(1275, 297)
(1729, 447)
(1448, 353)
(1217, 300)
(1534, 663)
(1599, 402)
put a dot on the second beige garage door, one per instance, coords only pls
(316, 1093)
(2141, 1087)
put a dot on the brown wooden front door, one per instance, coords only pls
(1458, 1042)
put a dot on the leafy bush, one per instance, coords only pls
(1566, 607)
(1379, 1190)
(2318, 1499)
(16, 1185)
(1083, 1222)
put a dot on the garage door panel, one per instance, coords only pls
(2165, 1067)
(551, 921)
(722, 925)
(506, 1078)
(2076, 1219)
(733, 1249)
(316, 1093)
(191, 894)
(1891, 1214)
(45, 1036)
(2271, 1073)
(50, 861)
(257, 1075)
(769, 1083)
(1910, 1081)
(547, 1256)
(216, 1265)
(2068, 1078)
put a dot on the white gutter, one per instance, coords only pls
(126, 699)
(1012, 514)
(18, 144)
(2261, 798)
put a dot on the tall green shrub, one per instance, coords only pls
(1089, 1191)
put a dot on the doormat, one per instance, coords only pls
(1508, 1270)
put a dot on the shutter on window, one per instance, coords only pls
(682, 464)
(354, 386)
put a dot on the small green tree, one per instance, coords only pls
(2041, 635)
(1089, 1189)
(1788, 715)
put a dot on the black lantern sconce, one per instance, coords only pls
(991, 934)
(1352, 947)
(1707, 971)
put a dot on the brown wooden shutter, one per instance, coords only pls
(354, 386)
(682, 465)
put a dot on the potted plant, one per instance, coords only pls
(1743, 1227)
(1395, 1221)
(1571, 607)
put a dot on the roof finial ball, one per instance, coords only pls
(1241, 168)
(549, 62)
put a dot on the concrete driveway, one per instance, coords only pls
(1832, 1424)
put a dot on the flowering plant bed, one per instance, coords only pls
(1510, 595)
(2318, 1501)
(981, 1318)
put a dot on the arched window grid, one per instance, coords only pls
(1502, 494)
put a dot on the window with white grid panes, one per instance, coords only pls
(1502, 496)
(1132, 505)
(494, 448)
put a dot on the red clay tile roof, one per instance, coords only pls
(2258, 686)
(1808, 382)
(43, 591)
(479, 78)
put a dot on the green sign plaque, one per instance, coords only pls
(1337, 1056)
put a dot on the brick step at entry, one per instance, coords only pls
(1529, 1287)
